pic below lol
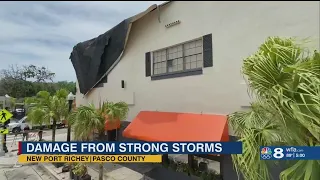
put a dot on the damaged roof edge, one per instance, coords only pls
(165, 3)
(140, 15)
(133, 19)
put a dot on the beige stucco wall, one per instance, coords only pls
(237, 28)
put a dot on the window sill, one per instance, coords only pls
(189, 72)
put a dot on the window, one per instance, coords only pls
(178, 58)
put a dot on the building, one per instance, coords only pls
(4, 102)
(187, 56)
(7, 102)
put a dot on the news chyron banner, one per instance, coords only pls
(290, 152)
(118, 151)
(90, 158)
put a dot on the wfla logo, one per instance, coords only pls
(266, 153)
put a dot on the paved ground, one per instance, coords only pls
(125, 171)
(23, 171)
(46, 133)
(30, 172)
(46, 171)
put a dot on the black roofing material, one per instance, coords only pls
(93, 58)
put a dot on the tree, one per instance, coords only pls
(38, 115)
(114, 113)
(70, 86)
(29, 72)
(85, 120)
(16, 88)
(38, 74)
(17, 81)
(47, 107)
(285, 78)
(42, 74)
(89, 119)
(27, 80)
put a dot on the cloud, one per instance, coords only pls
(44, 33)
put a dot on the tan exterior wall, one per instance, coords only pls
(237, 28)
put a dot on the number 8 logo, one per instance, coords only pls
(278, 153)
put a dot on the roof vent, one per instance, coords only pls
(173, 23)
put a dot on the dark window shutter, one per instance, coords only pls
(148, 64)
(207, 51)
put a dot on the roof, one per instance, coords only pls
(95, 58)
(172, 126)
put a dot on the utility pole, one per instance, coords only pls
(4, 142)
(3, 148)
(2, 153)
(4, 121)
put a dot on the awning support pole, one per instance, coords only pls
(165, 158)
(191, 164)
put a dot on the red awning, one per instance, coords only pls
(171, 126)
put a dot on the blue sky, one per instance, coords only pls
(44, 33)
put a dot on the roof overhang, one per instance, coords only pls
(133, 19)
(94, 59)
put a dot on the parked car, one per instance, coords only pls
(16, 126)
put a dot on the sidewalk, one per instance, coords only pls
(118, 174)
(11, 157)
(28, 172)
(25, 171)
(46, 171)
(22, 171)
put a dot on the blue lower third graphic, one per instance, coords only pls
(130, 148)
(290, 152)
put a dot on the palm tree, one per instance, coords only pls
(114, 113)
(48, 107)
(36, 115)
(58, 109)
(85, 120)
(284, 79)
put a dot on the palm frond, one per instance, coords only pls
(86, 119)
(46, 107)
(285, 78)
(62, 93)
(116, 111)
(39, 115)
